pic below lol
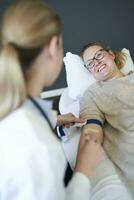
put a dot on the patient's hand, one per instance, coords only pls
(68, 120)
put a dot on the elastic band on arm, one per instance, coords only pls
(94, 121)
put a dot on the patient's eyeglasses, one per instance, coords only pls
(98, 56)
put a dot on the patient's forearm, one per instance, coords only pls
(95, 131)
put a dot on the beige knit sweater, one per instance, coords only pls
(112, 102)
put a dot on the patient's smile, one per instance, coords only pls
(102, 67)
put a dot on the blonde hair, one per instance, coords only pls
(27, 26)
(120, 57)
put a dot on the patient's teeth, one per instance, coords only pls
(102, 67)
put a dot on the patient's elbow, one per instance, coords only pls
(95, 132)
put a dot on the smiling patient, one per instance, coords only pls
(108, 107)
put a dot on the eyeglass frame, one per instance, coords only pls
(94, 58)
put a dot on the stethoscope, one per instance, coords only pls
(58, 130)
(36, 104)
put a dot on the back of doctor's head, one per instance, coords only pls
(27, 26)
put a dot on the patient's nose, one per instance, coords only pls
(97, 62)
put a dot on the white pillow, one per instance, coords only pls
(68, 105)
(79, 79)
(129, 65)
(77, 76)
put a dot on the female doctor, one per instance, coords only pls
(32, 163)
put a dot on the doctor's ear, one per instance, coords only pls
(53, 45)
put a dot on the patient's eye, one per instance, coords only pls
(99, 55)
(90, 63)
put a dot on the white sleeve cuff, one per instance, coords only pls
(79, 187)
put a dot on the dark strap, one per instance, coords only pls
(36, 104)
(94, 121)
(62, 134)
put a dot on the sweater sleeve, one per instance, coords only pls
(107, 184)
(89, 106)
(110, 188)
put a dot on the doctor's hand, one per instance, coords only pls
(90, 155)
(68, 120)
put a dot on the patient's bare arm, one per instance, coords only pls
(90, 154)
(95, 131)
